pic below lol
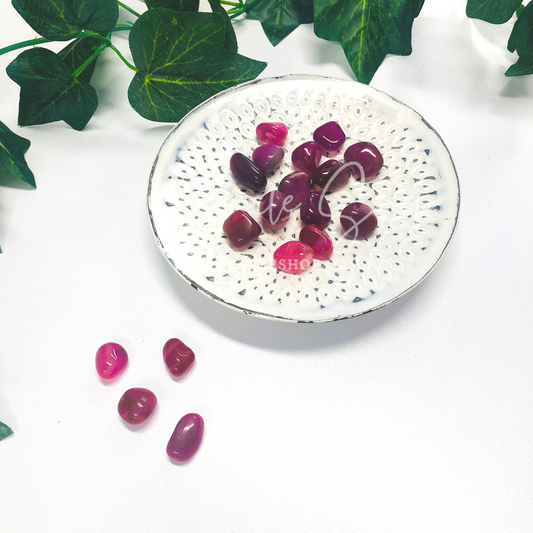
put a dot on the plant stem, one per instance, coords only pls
(124, 60)
(519, 10)
(128, 8)
(84, 65)
(227, 3)
(244, 9)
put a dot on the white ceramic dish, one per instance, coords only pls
(415, 197)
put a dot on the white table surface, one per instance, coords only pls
(417, 418)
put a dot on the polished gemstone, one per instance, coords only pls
(358, 221)
(111, 360)
(274, 211)
(293, 257)
(331, 175)
(315, 210)
(267, 157)
(186, 438)
(319, 241)
(307, 156)
(246, 173)
(178, 357)
(296, 187)
(137, 405)
(330, 136)
(272, 132)
(368, 158)
(241, 229)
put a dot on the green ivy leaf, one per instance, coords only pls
(77, 52)
(49, 92)
(368, 30)
(493, 11)
(176, 5)
(182, 62)
(281, 17)
(62, 20)
(230, 42)
(5, 431)
(12, 162)
(521, 41)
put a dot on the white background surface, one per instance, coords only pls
(416, 418)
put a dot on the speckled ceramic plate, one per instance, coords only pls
(415, 197)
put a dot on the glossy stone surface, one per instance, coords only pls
(296, 187)
(318, 240)
(358, 221)
(178, 357)
(274, 211)
(186, 438)
(137, 405)
(315, 210)
(267, 157)
(246, 173)
(241, 229)
(331, 175)
(307, 156)
(368, 156)
(293, 257)
(330, 136)
(272, 132)
(111, 360)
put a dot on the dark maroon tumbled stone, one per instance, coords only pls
(330, 136)
(358, 221)
(315, 210)
(241, 229)
(296, 187)
(274, 211)
(331, 175)
(318, 240)
(178, 357)
(137, 405)
(307, 156)
(267, 157)
(369, 158)
(246, 173)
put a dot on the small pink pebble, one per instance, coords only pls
(137, 405)
(319, 241)
(330, 136)
(186, 438)
(293, 257)
(241, 229)
(358, 221)
(111, 360)
(267, 157)
(178, 357)
(307, 156)
(272, 132)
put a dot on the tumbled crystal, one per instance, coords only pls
(319, 241)
(137, 405)
(307, 156)
(368, 157)
(246, 173)
(296, 187)
(267, 157)
(358, 221)
(330, 136)
(178, 357)
(111, 360)
(272, 132)
(293, 257)
(315, 210)
(186, 438)
(274, 211)
(331, 175)
(241, 229)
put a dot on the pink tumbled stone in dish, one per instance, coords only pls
(186, 438)
(241, 229)
(267, 157)
(137, 405)
(319, 241)
(111, 360)
(293, 257)
(307, 156)
(358, 221)
(178, 357)
(368, 158)
(272, 132)
(330, 136)
(296, 187)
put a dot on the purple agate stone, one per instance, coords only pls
(246, 173)
(331, 175)
(368, 157)
(307, 156)
(330, 136)
(274, 210)
(358, 221)
(267, 157)
(178, 357)
(272, 132)
(241, 229)
(137, 405)
(296, 187)
(315, 210)
(186, 438)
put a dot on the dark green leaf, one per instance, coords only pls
(49, 92)
(494, 11)
(521, 41)
(176, 5)
(281, 17)
(181, 62)
(77, 52)
(230, 42)
(62, 20)
(4, 430)
(12, 162)
(368, 30)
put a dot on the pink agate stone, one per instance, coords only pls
(267, 157)
(111, 360)
(293, 257)
(274, 210)
(358, 221)
(315, 210)
(178, 357)
(296, 187)
(368, 157)
(186, 438)
(272, 132)
(137, 405)
(241, 229)
(307, 156)
(319, 241)
(330, 136)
